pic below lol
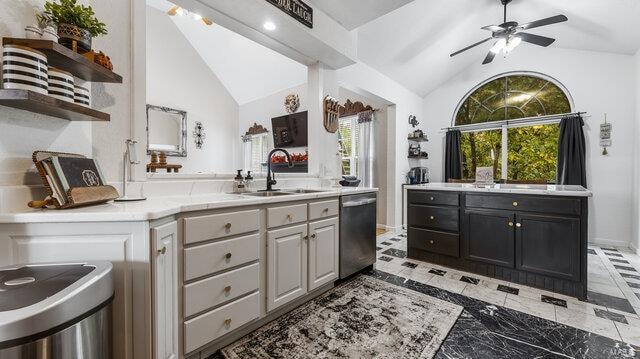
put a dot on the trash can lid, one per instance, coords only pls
(39, 299)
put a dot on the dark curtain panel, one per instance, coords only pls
(572, 152)
(453, 156)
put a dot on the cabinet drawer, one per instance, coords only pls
(318, 210)
(525, 203)
(198, 229)
(285, 215)
(214, 257)
(435, 242)
(213, 291)
(442, 218)
(216, 323)
(434, 198)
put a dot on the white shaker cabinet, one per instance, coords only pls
(164, 255)
(286, 265)
(323, 252)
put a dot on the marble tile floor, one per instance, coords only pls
(611, 312)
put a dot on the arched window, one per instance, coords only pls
(500, 131)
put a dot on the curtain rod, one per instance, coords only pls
(499, 124)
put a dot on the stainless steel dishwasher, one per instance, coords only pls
(357, 233)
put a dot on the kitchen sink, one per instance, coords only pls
(298, 191)
(267, 194)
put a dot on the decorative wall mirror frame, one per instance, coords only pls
(159, 113)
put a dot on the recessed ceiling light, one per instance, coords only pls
(270, 26)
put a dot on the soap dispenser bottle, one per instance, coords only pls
(248, 181)
(238, 183)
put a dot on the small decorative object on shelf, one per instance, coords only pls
(24, 69)
(417, 136)
(331, 114)
(199, 135)
(413, 121)
(159, 160)
(77, 24)
(415, 152)
(61, 85)
(82, 94)
(292, 103)
(279, 163)
(71, 180)
(32, 32)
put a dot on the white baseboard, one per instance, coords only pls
(611, 243)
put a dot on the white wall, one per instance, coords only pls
(177, 77)
(261, 111)
(599, 83)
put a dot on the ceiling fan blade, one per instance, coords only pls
(493, 28)
(536, 39)
(490, 56)
(472, 46)
(544, 22)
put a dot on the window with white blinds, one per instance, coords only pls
(349, 145)
(256, 151)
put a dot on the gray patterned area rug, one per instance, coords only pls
(363, 318)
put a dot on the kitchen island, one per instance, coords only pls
(534, 235)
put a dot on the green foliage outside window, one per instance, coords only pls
(532, 150)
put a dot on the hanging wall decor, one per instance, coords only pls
(413, 121)
(292, 103)
(331, 114)
(199, 135)
(605, 136)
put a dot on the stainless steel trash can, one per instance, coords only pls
(56, 311)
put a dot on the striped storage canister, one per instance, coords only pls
(24, 68)
(61, 84)
(82, 94)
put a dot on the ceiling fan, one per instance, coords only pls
(510, 34)
(177, 10)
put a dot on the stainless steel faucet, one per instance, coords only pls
(271, 181)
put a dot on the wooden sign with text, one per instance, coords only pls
(296, 9)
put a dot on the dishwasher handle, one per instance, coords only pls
(359, 203)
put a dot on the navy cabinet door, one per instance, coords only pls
(489, 236)
(548, 245)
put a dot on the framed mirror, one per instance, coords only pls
(166, 131)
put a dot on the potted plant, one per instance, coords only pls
(77, 24)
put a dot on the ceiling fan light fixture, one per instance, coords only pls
(499, 46)
(512, 43)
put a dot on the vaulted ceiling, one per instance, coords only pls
(412, 44)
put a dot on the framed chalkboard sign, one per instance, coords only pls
(297, 9)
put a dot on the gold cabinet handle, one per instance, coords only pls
(163, 250)
(326, 210)
(515, 204)
(306, 238)
(518, 225)
(227, 322)
(313, 236)
(227, 226)
(510, 224)
(290, 217)
(227, 289)
(228, 255)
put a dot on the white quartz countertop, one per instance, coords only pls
(159, 207)
(545, 190)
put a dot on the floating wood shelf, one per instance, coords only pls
(61, 57)
(50, 106)
(418, 157)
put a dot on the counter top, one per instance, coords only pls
(159, 207)
(544, 190)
